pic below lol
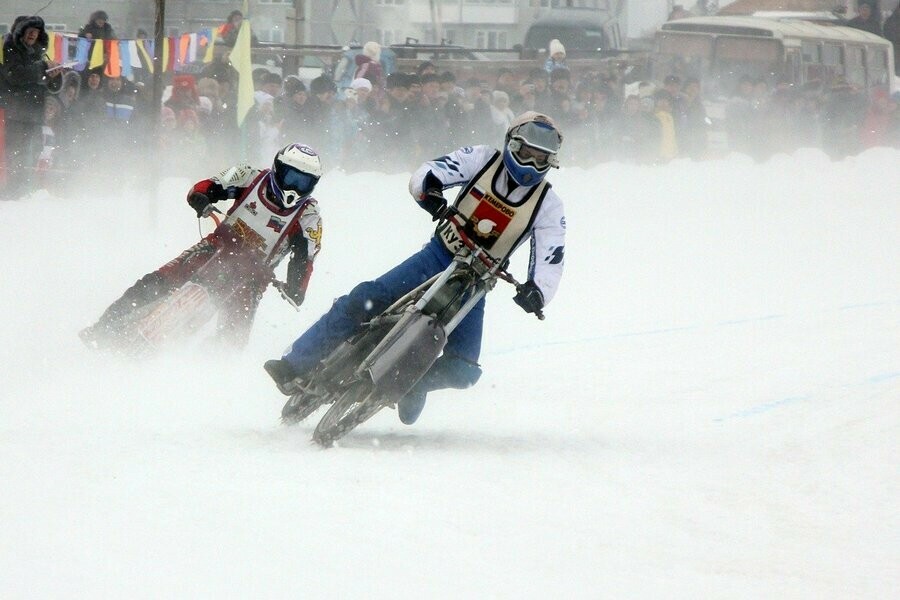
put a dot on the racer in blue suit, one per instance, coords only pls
(508, 186)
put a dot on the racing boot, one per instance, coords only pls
(284, 375)
(448, 371)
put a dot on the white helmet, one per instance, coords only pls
(531, 148)
(295, 173)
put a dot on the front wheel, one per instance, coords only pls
(299, 406)
(356, 405)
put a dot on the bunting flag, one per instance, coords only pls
(51, 47)
(184, 47)
(125, 53)
(113, 63)
(210, 40)
(122, 56)
(193, 39)
(133, 52)
(143, 46)
(240, 60)
(81, 53)
(96, 55)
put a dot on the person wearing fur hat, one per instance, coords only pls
(26, 77)
(98, 27)
(556, 58)
(369, 67)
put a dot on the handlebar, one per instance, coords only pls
(452, 215)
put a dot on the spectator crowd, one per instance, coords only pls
(64, 125)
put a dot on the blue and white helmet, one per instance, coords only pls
(295, 173)
(531, 148)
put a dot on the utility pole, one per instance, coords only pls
(299, 19)
(159, 38)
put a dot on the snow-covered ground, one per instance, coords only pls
(710, 410)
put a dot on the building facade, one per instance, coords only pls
(495, 24)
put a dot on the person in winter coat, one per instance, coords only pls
(369, 67)
(892, 33)
(98, 27)
(867, 19)
(26, 77)
(556, 58)
(229, 31)
(273, 211)
(506, 188)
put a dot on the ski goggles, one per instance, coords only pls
(290, 179)
(535, 144)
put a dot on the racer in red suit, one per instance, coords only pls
(274, 214)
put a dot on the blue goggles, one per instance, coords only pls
(290, 179)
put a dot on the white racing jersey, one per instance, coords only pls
(263, 225)
(533, 212)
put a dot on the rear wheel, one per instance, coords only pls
(359, 403)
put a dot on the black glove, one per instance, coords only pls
(201, 204)
(529, 297)
(434, 202)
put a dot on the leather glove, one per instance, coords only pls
(201, 204)
(434, 202)
(529, 297)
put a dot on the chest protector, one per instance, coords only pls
(480, 202)
(262, 225)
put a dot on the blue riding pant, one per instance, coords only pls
(370, 298)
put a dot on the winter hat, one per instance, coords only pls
(372, 50)
(205, 105)
(556, 46)
(397, 80)
(322, 84)
(361, 83)
(500, 96)
(292, 85)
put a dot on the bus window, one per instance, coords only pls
(856, 66)
(833, 59)
(878, 62)
(740, 57)
(682, 55)
(810, 52)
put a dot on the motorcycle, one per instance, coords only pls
(381, 363)
(187, 309)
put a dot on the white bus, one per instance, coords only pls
(720, 50)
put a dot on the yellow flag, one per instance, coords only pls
(96, 55)
(51, 46)
(240, 60)
(210, 53)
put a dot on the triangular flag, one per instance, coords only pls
(208, 57)
(165, 54)
(145, 50)
(96, 55)
(125, 52)
(51, 46)
(81, 53)
(192, 52)
(114, 63)
(133, 52)
(184, 47)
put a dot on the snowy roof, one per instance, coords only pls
(748, 7)
(772, 28)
